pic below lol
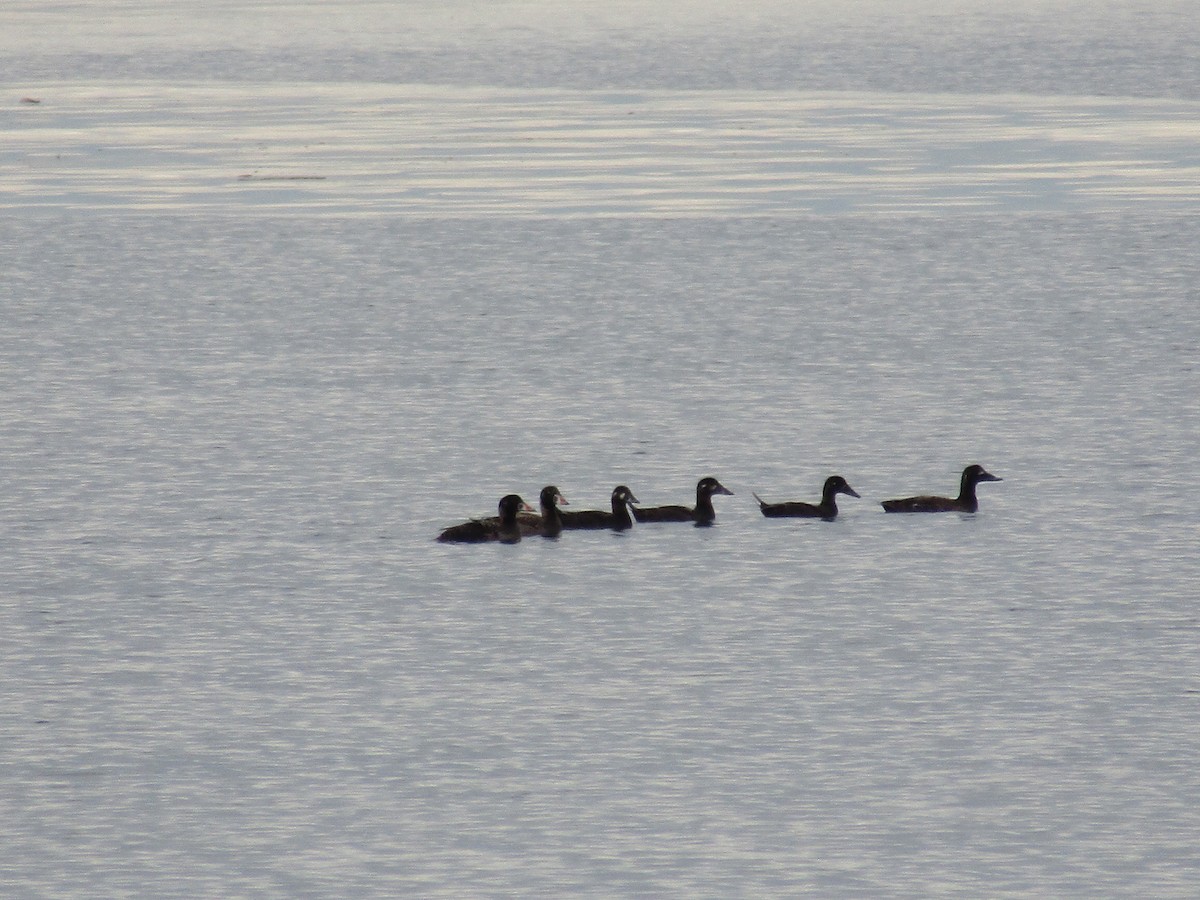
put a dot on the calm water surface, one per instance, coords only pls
(236, 411)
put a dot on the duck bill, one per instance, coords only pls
(852, 492)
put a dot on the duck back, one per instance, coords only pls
(664, 514)
(475, 531)
(928, 504)
(792, 509)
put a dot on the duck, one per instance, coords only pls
(826, 509)
(503, 528)
(549, 522)
(617, 520)
(703, 514)
(964, 502)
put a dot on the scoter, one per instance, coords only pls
(964, 502)
(503, 528)
(702, 514)
(826, 509)
(617, 520)
(549, 522)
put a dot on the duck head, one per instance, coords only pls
(510, 505)
(622, 494)
(836, 484)
(551, 497)
(976, 473)
(710, 486)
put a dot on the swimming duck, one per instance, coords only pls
(703, 514)
(617, 520)
(503, 528)
(826, 509)
(549, 522)
(964, 502)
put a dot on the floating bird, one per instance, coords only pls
(964, 502)
(826, 509)
(549, 523)
(617, 520)
(503, 528)
(703, 514)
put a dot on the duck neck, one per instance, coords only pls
(620, 511)
(508, 524)
(551, 520)
(704, 507)
(966, 494)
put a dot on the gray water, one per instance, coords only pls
(285, 294)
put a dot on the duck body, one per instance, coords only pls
(966, 501)
(826, 509)
(549, 522)
(503, 528)
(702, 514)
(617, 520)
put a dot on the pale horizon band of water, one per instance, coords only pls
(423, 150)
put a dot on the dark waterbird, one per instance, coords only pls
(702, 514)
(617, 520)
(549, 522)
(826, 509)
(503, 528)
(964, 502)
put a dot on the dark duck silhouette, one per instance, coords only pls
(702, 514)
(826, 509)
(549, 522)
(503, 528)
(617, 520)
(964, 502)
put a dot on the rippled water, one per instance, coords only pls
(450, 150)
(236, 411)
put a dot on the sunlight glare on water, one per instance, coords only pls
(455, 151)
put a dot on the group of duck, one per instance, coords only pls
(518, 519)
